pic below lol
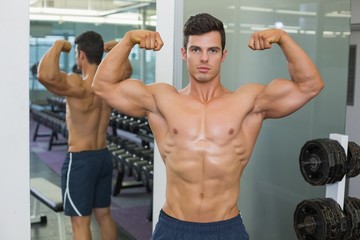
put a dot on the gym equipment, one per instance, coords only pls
(353, 156)
(323, 161)
(131, 157)
(140, 123)
(126, 156)
(323, 219)
(146, 176)
(352, 213)
(57, 104)
(136, 170)
(320, 219)
(49, 194)
(151, 180)
(53, 121)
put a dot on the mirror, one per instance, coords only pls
(65, 19)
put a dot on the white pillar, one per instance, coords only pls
(14, 121)
(168, 69)
(336, 190)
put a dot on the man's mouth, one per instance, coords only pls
(203, 69)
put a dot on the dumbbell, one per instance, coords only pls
(112, 147)
(118, 121)
(323, 219)
(353, 157)
(147, 154)
(134, 126)
(124, 122)
(134, 148)
(144, 174)
(121, 161)
(136, 169)
(129, 161)
(115, 153)
(112, 119)
(324, 161)
(320, 219)
(151, 180)
(352, 213)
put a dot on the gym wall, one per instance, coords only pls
(353, 112)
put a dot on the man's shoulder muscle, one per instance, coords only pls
(161, 87)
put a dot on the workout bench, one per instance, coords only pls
(50, 195)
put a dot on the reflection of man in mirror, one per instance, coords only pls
(205, 132)
(75, 69)
(86, 176)
(33, 70)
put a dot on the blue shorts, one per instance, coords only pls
(174, 229)
(86, 179)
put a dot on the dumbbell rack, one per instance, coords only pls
(53, 119)
(329, 162)
(139, 137)
(336, 190)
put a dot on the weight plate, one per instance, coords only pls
(353, 157)
(319, 219)
(322, 161)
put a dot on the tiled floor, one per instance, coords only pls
(49, 231)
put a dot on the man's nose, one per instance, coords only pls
(204, 57)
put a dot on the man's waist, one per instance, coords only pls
(83, 148)
(201, 218)
(200, 212)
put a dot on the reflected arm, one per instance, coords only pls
(49, 73)
(110, 82)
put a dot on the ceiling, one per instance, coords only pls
(95, 11)
(138, 12)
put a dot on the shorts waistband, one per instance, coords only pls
(90, 151)
(174, 223)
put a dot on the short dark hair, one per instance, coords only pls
(203, 23)
(92, 44)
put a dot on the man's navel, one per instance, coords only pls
(202, 196)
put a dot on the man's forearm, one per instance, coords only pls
(115, 67)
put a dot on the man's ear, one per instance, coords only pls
(224, 55)
(82, 55)
(183, 54)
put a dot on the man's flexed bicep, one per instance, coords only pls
(128, 96)
(282, 97)
(49, 73)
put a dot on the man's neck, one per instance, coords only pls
(88, 71)
(205, 92)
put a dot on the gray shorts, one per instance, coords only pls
(174, 229)
(86, 179)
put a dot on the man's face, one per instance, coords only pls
(204, 56)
